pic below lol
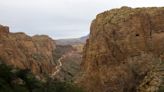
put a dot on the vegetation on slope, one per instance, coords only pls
(16, 80)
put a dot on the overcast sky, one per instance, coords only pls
(59, 18)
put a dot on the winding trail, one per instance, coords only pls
(58, 67)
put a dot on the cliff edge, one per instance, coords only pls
(123, 48)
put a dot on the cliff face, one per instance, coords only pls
(123, 47)
(25, 52)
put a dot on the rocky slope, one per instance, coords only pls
(25, 52)
(123, 48)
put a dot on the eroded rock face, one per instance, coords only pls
(25, 52)
(124, 45)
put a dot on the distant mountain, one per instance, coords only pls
(72, 41)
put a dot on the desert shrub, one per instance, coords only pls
(20, 88)
(58, 86)
(5, 73)
(30, 83)
(161, 89)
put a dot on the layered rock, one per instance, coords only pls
(123, 47)
(25, 52)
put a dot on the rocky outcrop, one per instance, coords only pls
(153, 81)
(25, 52)
(123, 48)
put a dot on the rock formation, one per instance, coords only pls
(25, 52)
(123, 48)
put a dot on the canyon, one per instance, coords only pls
(40, 54)
(124, 52)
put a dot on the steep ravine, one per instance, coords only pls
(69, 60)
(58, 67)
(123, 48)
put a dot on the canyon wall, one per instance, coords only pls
(125, 45)
(25, 52)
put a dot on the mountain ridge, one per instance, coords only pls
(72, 41)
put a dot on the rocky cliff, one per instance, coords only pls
(25, 52)
(123, 48)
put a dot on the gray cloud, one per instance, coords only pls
(59, 18)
